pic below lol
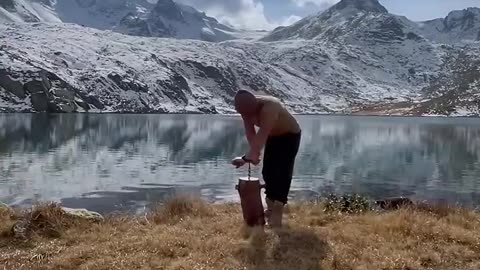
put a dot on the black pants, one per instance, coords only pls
(278, 165)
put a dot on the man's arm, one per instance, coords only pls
(249, 130)
(268, 117)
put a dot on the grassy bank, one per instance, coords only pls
(189, 234)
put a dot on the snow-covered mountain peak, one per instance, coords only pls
(166, 6)
(170, 19)
(361, 5)
(349, 20)
(165, 18)
(168, 9)
(354, 56)
(459, 26)
(463, 19)
(26, 11)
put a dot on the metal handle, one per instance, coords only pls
(249, 170)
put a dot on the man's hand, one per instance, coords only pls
(253, 157)
(238, 162)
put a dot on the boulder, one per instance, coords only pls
(63, 93)
(21, 229)
(39, 102)
(8, 5)
(394, 203)
(66, 107)
(83, 213)
(4, 207)
(82, 104)
(11, 84)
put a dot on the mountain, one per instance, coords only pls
(407, 55)
(349, 21)
(371, 53)
(456, 88)
(27, 11)
(353, 19)
(352, 58)
(92, 70)
(135, 17)
(169, 19)
(458, 26)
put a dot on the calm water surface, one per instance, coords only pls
(128, 162)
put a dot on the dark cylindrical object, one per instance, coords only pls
(249, 190)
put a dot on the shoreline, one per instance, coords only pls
(188, 233)
(353, 114)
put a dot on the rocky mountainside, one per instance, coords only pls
(438, 73)
(169, 19)
(353, 57)
(382, 57)
(135, 17)
(459, 26)
(346, 21)
(456, 89)
(92, 70)
(351, 19)
(27, 11)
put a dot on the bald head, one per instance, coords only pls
(245, 102)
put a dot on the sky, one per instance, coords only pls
(268, 14)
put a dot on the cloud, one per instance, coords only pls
(320, 3)
(290, 20)
(242, 14)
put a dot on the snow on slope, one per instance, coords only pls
(103, 15)
(65, 67)
(459, 26)
(136, 17)
(169, 19)
(114, 72)
(26, 11)
(376, 49)
(354, 54)
(389, 45)
(457, 95)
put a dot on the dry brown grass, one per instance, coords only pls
(189, 234)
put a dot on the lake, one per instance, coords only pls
(129, 162)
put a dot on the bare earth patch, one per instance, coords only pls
(190, 234)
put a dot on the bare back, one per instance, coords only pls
(272, 107)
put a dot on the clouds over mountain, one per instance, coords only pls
(246, 14)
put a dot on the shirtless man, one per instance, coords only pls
(280, 134)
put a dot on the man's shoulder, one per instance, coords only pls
(269, 99)
(270, 106)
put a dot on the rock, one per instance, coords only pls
(39, 102)
(21, 229)
(83, 213)
(8, 5)
(38, 86)
(208, 109)
(66, 107)
(63, 93)
(82, 104)
(394, 203)
(4, 207)
(11, 84)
